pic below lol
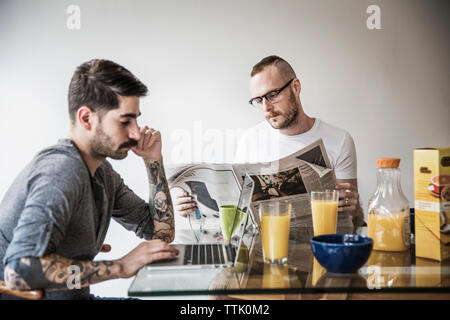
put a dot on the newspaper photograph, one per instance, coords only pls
(291, 178)
(212, 186)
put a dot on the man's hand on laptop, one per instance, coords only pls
(145, 253)
(184, 204)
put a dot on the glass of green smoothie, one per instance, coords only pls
(230, 220)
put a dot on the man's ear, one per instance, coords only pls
(297, 86)
(85, 117)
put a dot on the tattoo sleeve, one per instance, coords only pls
(56, 272)
(160, 203)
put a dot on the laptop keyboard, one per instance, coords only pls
(205, 254)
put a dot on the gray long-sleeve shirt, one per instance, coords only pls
(55, 206)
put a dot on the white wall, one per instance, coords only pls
(389, 88)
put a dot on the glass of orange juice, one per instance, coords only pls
(324, 209)
(275, 218)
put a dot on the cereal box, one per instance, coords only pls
(432, 202)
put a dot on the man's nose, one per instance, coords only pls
(266, 105)
(135, 132)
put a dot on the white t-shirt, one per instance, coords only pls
(262, 143)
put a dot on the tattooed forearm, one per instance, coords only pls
(53, 272)
(160, 202)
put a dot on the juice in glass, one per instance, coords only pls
(388, 219)
(390, 232)
(324, 210)
(275, 221)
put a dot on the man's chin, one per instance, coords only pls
(276, 123)
(280, 122)
(119, 155)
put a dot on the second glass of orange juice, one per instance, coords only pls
(275, 220)
(324, 210)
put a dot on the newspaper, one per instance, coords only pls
(291, 178)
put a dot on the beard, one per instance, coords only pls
(102, 146)
(288, 117)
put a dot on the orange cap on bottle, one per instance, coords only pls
(388, 162)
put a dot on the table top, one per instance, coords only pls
(384, 272)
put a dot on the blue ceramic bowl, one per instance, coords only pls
(341, 253)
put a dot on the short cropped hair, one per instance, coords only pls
(98, 83)
(283, 67)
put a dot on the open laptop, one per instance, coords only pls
(212, 255)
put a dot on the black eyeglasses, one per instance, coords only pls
(271, 96)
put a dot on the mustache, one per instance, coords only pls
(129, 144)
(271, 115)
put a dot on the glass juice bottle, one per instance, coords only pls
(388, 222)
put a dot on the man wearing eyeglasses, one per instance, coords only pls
(275, 89)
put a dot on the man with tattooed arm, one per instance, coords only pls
(56, 213)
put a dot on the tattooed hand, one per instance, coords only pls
(149, 145)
